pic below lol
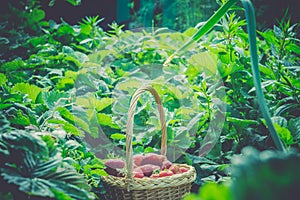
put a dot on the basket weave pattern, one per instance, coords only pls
(165, 188)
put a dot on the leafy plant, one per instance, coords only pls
(32, 166)
(265, 175)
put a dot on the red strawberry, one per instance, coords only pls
(116, 163)
(138, 159)
(148, 169)
(154, 176)
(154, 159)
(165, 173)
(183, 169)
(166, 165)
(138, 173)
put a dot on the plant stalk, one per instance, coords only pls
(215, 18)
(251, 26)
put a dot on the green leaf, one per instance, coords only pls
(284, 134)
(68, 127)
(93, 123)
(65, 84)
(37, 186)
(98, 56)
(3, 79)
(293, 48)
(198, 159)
(92, 102)
(129, 85)
(99, 172)
(35, 16)
(71, 118)
(25, 88)
(55, 97)
(20, 118)
(106, 120)
(242, 123)
(28, 142)
(215, 191)
(12, 65)
(294, 126)
(117, 136)
(6, 105)
(74, 2)
(204, 61)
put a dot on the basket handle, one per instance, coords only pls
(129, 126)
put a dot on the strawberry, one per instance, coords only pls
(165, 173)
(148, 169)
(166, 165)
(115, 163)
(175, 169)
(183, 169)
(154, 159)
(111, 171)
(154, 176)
(138, 159)
(113, 166)
(138, 173)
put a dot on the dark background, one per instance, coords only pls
(267, 11)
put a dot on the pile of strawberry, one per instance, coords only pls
(145, 165)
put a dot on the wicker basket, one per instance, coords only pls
(129, 188)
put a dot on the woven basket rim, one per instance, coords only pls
(152, 183)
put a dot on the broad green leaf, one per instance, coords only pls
(55, 97)
(5, 105)
(71, 118)
(35, 16)
(81, 57)
(37, 186)
(284, 134)
(25, 88)
(294, 126)
(242, 123)
(117, 136)
(26, 141)
(93, 123)
(65, 84)
(20, 118)
(12, 65)
(92, 102)
(98, 56)
(182, 138)
(106, 120)
(194, 159)
(99, 172)
(212, 191)
(3, 79)
(175, 92)
(129, 85)
(68, 127)
(204, 61)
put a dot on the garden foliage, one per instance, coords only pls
(65, 92)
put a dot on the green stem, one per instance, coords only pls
(205, 28)
(251, 26)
